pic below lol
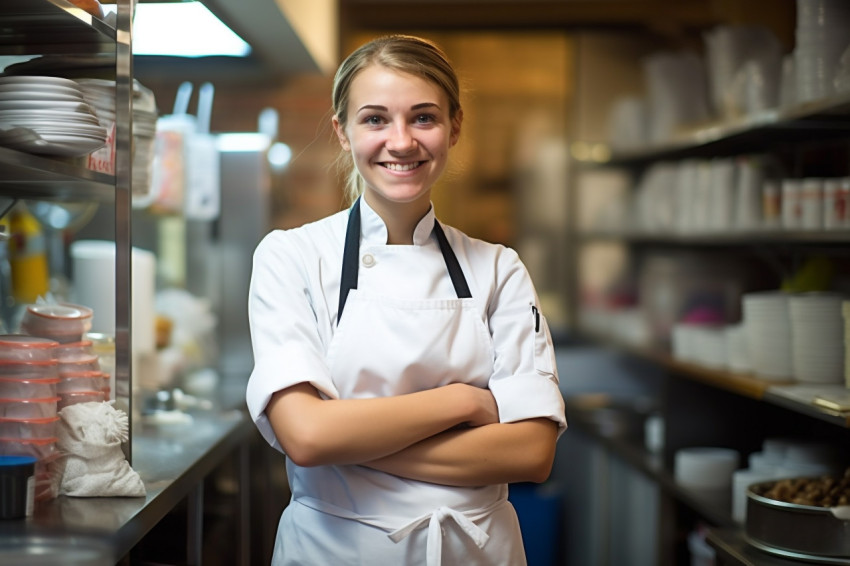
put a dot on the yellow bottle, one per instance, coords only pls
(27, 257)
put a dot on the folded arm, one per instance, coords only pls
(315, 431)
(496, 453)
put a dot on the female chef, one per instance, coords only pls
(404, 368)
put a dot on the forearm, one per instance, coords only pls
(485, 455)
(315, 431)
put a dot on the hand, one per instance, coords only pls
(484, 408)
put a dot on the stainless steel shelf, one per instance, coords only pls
(34, 177)
(829, 118)
(52, 26)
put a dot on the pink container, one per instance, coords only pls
(29, 369)
(64, 322)
(81, 364)
(28, 408)
(41, 448)
(28, 428)
(47, 476)
(83, 381)
(23, 348)
(73, 351)
(17, 388)
(66, 399)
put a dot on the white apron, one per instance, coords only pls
(352, 515)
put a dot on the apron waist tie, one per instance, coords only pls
(434, 542)
(434, 553)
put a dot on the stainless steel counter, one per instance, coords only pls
(172, 461)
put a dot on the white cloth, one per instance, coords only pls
(420, 335)
(92, 462)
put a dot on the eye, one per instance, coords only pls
(373, 120)
(425, 119)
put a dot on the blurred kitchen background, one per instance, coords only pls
(663, 168)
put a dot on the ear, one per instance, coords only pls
(455, 133)
(340, 134)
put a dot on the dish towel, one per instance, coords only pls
(92, 463)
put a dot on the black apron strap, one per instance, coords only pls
(350, 257)
(455, 272)
(351, 260)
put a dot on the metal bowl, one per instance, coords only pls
(802, 532)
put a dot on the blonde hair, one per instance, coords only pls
(403, 53)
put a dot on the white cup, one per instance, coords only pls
(831, 204)
(791, 205)
(811, 204)
(771, 204)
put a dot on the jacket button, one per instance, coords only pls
(368, 260)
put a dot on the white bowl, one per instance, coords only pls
(705, 467)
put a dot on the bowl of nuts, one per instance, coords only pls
(805, 518)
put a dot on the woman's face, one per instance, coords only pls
(399, 134)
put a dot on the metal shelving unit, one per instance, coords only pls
(58, 29)
(704, 391)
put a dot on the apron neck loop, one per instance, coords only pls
(351, 259)
(455, 272)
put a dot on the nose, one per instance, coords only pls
(400, 139)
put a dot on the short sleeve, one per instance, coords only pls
(285, 337)
(525, 377)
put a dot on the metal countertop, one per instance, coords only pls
(172, 461)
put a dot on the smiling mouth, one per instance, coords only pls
(402, 166)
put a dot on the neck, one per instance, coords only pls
(401, 219)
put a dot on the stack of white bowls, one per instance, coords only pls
(28, 406)
(767, 327)
(737, 352)
(705, 467)
(817, 332)
(100, 94)
(821, 37)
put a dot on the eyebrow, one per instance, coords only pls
(380, 108)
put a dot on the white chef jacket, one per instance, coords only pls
(293, 313)
(294, 292)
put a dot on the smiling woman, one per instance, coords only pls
(438, 387)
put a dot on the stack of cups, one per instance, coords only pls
(29, 378)
(79, 373)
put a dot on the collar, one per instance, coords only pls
(373, 230)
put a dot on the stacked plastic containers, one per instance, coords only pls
(80, 376)
(29, 380)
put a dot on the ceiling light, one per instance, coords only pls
(182, 29)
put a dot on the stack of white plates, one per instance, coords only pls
(767, 326)
(101, 94)
(818, 337)
(47, 116)
(821, 37)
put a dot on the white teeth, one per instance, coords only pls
(401, 166)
